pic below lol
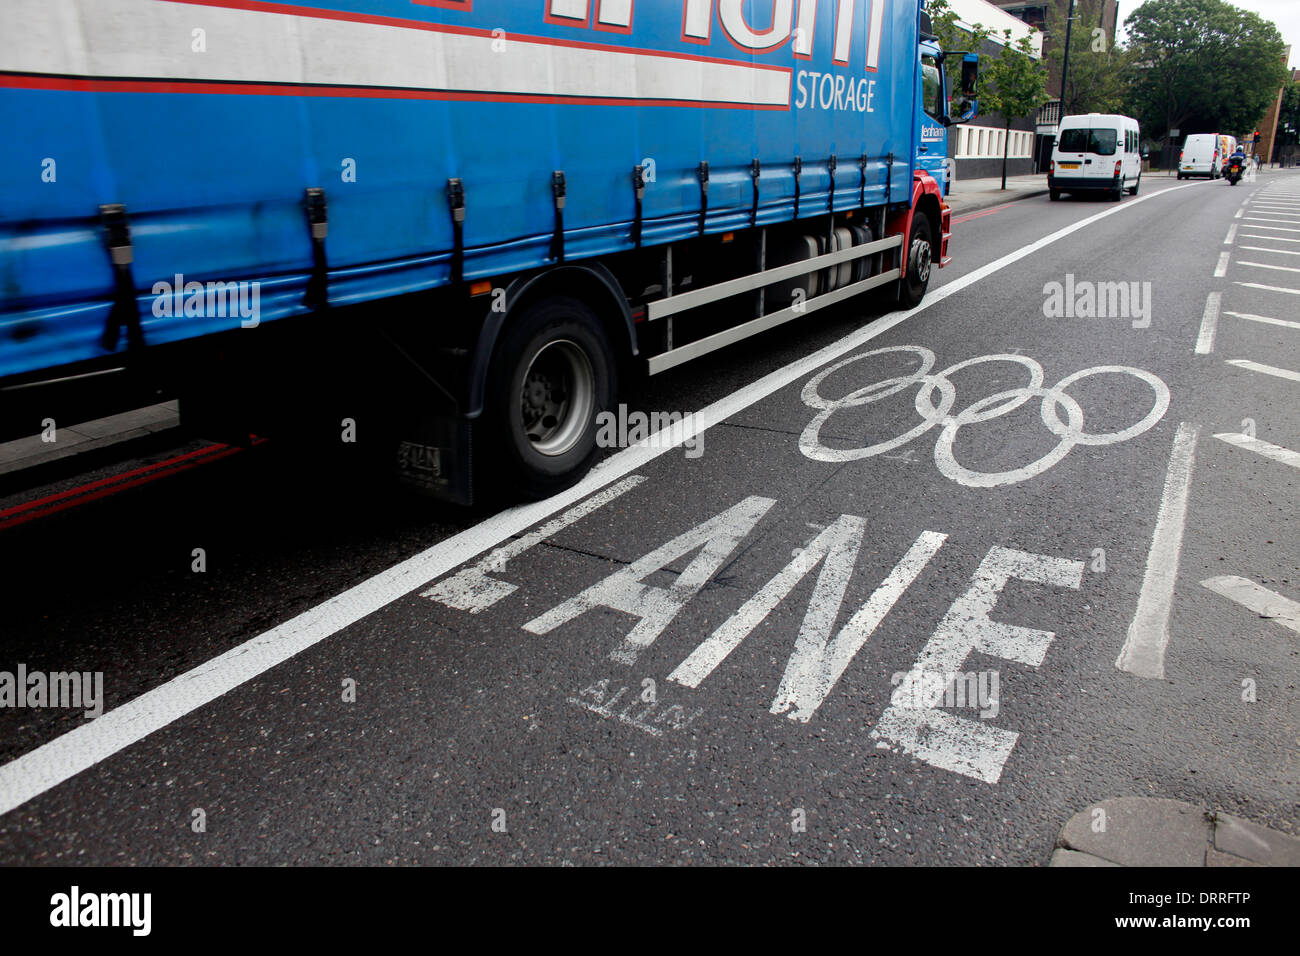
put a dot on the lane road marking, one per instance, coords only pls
(64, 757)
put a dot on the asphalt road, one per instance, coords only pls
(740, 655)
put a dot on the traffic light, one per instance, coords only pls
(1257, 136)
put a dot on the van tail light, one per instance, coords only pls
(1052, 166)
(1119, 164)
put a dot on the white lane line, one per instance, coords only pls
(1273, 252)
(1209, 322)
(1263, 265)
(1143, 653)
(1274, 228)
(66, 756)
(1286, 323)
(1240, 212)
(1269, 288)
(1232, 234)
(1276, 452)
(1291, 219)
(1255, 597)
(1251, 235)
(1221, 269)
(1273, 370)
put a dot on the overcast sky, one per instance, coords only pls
(1285, 14)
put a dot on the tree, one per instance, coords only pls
(1015, 86)
(1100, 71)
(1203, 66)
(953, 37)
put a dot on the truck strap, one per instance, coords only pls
(862, 180)
(638, 193)
(704, 193)
(798, 171)
(755, 170)
(317, 294)
(124, 311)
(456, 201)
(830, 167)
(558, 193)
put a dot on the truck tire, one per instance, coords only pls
(553, 372)
(1118, 194)
(1133, 190)
(1055, 195)
(920, 263)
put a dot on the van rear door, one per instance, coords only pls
(1094, 147)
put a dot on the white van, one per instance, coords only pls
(1202, 155)
(1096, 152)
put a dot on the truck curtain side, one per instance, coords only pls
(182, 168)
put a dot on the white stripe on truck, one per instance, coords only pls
(144, 40)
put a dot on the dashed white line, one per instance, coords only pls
(1221, 269)
(64, 757)
(1265, 265)
(1143, 653)
(1232, 234)
(1274, 252)
(1255, 597)
(1269, 288)
(1209, 322)
(1250, 366)
(1286, 323)
(1273, 228)
(1275, 452)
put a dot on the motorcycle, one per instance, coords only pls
(1236, 168)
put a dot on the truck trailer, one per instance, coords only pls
(209, 198)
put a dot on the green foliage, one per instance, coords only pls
(1100, 71)
(1015, 84)
(953, 37)
(1203, 66)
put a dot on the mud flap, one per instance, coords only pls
(435, 458)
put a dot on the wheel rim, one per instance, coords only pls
(557, 397)
(921, 259)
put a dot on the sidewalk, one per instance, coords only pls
(1146, 831)
(970, 195)
(23, 453)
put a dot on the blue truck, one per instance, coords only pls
(210, 198)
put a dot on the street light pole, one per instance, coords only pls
(1065, 63)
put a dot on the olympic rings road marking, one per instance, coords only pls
(1069, 432)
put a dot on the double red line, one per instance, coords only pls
(103, 487)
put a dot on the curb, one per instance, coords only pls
(963, 206)
(1148, 831)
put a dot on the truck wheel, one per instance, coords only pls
(1055, 195)
(554, 372)
(1133, 190)
(1118, 194)
(920, 262)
